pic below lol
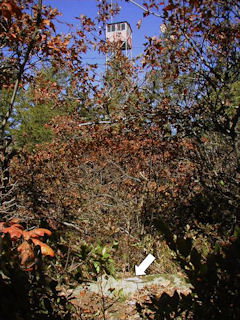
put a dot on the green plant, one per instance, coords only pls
(101, 259)
(90, 261)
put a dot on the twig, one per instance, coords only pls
(144, 9)
(68, 255)
(71, 225)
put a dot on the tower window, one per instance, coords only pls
(123, 26)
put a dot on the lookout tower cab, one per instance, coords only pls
(120, 32)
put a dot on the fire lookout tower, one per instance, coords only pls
(119, 32)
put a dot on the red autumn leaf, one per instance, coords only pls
(39, 232)
(26, 252)
(169, 7)
(9, 8)
(23, 246)
(29, 267)
(14, 232)
(146, 13)
(6, 6)
(45, 249)
(14, 221)
(16, 10)
(17, 225)
(26, 235)
(24, 257)
(6, 9)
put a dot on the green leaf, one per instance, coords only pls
(115, 244)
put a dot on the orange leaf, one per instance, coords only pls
(26, 253)
(46, 21)
(82, 293)
(15, 232)
(39, 232)
(45, 249)
(24, 257)
(17, 225)
(6, 9)
(26, 235)
(23, 246)
(14, 220)
(2, 224)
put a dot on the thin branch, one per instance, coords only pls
(71, 225)
(94, 123)
(144, 9)
(124, 173)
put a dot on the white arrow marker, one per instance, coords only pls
(140, 270)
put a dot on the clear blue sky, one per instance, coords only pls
(129, 12)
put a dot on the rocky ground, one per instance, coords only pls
(116, 299)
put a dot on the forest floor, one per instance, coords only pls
(117, 299)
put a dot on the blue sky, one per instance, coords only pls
(129, 12)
